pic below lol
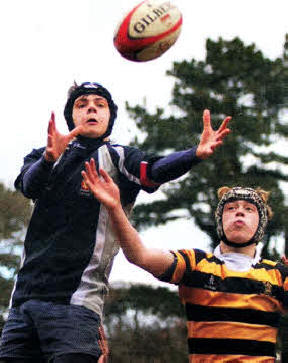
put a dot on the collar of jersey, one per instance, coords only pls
(88, 142)
(238, 261)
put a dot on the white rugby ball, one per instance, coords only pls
(148, 30)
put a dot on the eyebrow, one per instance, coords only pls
(85, 98)
(236, 201)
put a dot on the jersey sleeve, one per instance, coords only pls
(283, 269)
(34, 174)
(172, 166)
(184, 262)
(150, 171)
(132, 164)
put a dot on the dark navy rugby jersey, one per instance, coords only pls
(69, 245)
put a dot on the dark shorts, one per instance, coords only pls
(39, 331)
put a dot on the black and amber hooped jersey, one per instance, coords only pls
(231, 315)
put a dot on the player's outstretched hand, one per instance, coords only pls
(104, 189)
(57, 142)
(211, 139)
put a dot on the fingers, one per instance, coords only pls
(51, 124)
(105, 176)
(91, 175)
(206, 119)
(223, 134)
(88, 169)
(223, 131)
(224, 124)
(76, 131)
(49, 129)
(216, 144)
(50, 132)
(49, 141)
(93, 166)
(53, 116)
(91, 171)
(89, 180)
(85, 177)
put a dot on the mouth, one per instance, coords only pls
(239, 222)
(92, 121)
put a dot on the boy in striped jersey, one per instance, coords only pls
(233, 298)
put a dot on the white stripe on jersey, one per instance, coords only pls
(23, 256)
(123, 170)
(93, 286)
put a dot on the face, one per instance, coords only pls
(92, 112)
(240, 221)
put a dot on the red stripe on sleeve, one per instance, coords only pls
(144, 180)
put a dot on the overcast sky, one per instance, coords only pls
(46, 45)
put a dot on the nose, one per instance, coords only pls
(240, 211)
(91, 108)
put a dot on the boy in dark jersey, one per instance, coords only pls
(233, 298)
(57, 301)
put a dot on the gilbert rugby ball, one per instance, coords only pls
(148, 30)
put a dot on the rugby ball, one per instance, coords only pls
(148, 30)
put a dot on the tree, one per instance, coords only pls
(236, 80)
(145, 324)
(14, 214)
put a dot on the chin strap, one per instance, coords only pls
(237, 245)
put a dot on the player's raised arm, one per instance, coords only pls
(211, 139)
(176, 164)
(106, 191)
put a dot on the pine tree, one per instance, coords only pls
(237, 80)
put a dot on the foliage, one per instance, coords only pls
(14, 214)
(237, 80)
(145, 324)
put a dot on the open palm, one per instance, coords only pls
(57, 142)
(103, 189)
(211, 139)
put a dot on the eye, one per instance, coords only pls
(230, 207)
(101, 105)
(80, 105)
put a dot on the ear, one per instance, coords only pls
(221, 191)
(264, 195)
